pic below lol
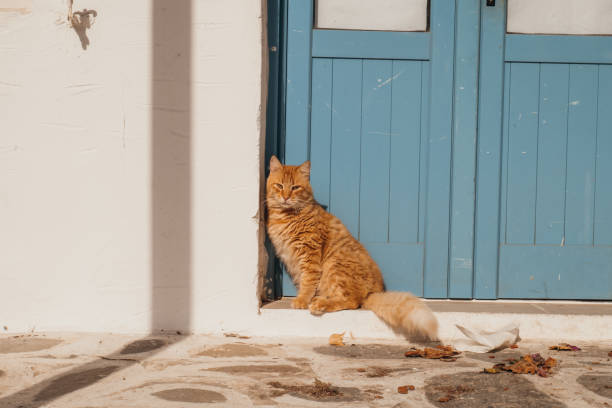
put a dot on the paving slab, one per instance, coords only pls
(73, 370)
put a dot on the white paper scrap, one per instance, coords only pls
(487, 341)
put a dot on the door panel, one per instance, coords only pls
(552, 145)
(367, 136)
(603, 168)
(470, 162)
(366, 156)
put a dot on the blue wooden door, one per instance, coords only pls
(359, 106)
(544, 179)
(470, 162)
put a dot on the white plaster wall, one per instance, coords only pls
(76, 197)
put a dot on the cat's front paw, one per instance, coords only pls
(299, 303)
(318, 306)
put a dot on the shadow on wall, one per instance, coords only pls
(171, 165)
(170, 212)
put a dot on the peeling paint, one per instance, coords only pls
(389, 80)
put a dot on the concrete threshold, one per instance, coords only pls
(551, 320)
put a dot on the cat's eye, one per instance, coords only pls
(279, 186)
(295, 187)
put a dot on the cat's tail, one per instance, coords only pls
(405, 313)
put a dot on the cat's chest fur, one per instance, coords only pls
(290, 235)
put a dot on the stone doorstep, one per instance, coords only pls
(538, 320)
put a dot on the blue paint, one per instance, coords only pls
(552, 143)
(581, 145)
(375, 150)
(466, 160)
(465, 115)
(603, 186)
(491, 85)
(522, 152)
(559, 48)
(553, 272)
(402, 265)
(346, 142)
(424, 144)
(439, 149)
(320, 125)
(371, 44)
(299, 26)
(405, 152)
(503, 213)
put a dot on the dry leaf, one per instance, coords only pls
(514, 346)
(447, 353)
(528, 364)
(445, 399)
(564, 347)
(403, 389)
(610, 354)
(336, 339)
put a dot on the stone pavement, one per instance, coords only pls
(104, 370)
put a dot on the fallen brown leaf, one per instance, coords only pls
(514, 346)
(445, 398)
(336, 339)
(610, 354)
(491, 356)
(528, 364)
(564, 347)
(403, 389)
(439, 352)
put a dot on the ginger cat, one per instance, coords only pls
(330, 268)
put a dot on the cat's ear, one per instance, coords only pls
(275, 164)
(305, 169)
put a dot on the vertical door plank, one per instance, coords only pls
(346, 142)
(581, 140)
(489, 147)
(375, 141)
(320, 125)
(467, 33)
(522, 152)
(424, 154)
(603, 183)
(503, 208)
(405, 151)
(439, 148)
(299, 26)
(552, 141)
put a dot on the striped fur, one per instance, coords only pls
(330, 268)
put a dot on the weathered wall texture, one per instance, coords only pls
(129, 164)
